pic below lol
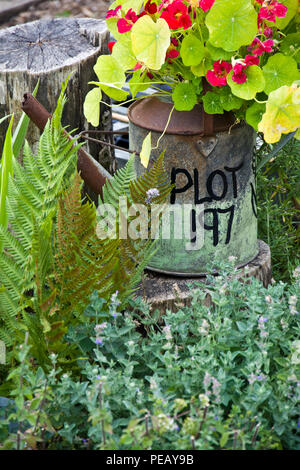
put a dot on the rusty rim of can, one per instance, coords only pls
(152, 114)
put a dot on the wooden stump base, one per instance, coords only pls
(169, 292)
(51, 50)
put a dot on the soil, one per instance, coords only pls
(61, 8)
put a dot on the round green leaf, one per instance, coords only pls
(254, 84)
(212, 103)
(231, 24)
(150, 41)
(290, 45)
(280, 70)
(200, 70)
(124, 56)
(292, 6)
(228, 100)
(184, 97)
(254, 114)
(91, 106)
(192, 50)
(217, 53)
(111, 77)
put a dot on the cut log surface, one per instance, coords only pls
(50, 50)
(164, 292)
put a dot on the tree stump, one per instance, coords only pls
(164, 292)
(50, 50)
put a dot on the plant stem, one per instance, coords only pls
(102, 420)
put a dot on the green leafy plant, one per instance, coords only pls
(53, 258)
(278, 196)
(11, 149)
(218, 375)
(245, 53)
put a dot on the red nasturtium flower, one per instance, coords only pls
(270, 11)
(251, 60)
(218, 76)
(151, 8)
(206, 5)
(268, 32)
(125, 24)
(239, 75)
(116, 13)
(258, 47)
(111, 45)
(176, 15)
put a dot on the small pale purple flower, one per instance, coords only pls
(151, 193)
(99, 341)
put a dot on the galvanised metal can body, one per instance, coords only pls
(214, 177)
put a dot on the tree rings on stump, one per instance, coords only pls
(50, 50)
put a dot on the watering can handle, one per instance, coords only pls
(90, 170)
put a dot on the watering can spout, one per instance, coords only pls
(93, 174)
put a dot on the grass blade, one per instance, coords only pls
(5, 171)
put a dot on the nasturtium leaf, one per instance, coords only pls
(184, 97)
(280, 70)
(150, 41)
(291, 46)
(192, 50)
(231, 24)
(254, 84)
(217, 53)
(197, 83)
(109, 73)
(124, 56)
(146, 150)
(135, 5)
(282, 114)
(254, 114)
(91, 106)
(137, 82)
(228, 100)
(292, 6)
(212, 103)
(200, 70)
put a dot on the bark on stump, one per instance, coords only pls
(50, 50)
(164, 292)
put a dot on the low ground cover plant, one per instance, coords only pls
(223, 376)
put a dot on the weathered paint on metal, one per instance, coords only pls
(216, 171)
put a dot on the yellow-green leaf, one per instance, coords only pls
(123, 54)
(282, 114)
(91, 106)
(111, 77)
(146, 150)
(150, 41)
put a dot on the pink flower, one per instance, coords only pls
(218, 76)
(206, 5)
(251, 60)
(268, 32)
(176, 15)
(271, 11)
(259, 47)
(116, 13)
(239, 75)
(125, 24)
(138, 66)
